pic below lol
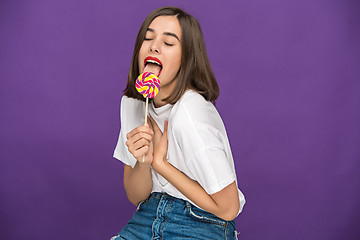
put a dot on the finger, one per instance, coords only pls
(137, 141)
(141, 143)
(144, 129)
(141, 135)
(141, 152)
(134, 148)
(131, 133)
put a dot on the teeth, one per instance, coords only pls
(152, 61)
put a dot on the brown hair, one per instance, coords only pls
(195, 70)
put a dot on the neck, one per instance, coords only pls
(158, 100)
(164, 92)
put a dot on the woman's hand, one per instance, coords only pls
(160, 145)
(139, 143)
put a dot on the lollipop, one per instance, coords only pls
(148, 85)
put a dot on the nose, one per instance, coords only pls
(154, 47)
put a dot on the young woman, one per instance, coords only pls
(186, 187)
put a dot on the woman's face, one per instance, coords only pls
(160, 52)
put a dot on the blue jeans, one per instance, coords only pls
(162, 216)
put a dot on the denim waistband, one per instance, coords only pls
(159, 195)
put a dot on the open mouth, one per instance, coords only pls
(153, 64)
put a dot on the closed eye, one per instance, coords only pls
(168, 44)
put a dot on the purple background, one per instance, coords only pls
(290, 95)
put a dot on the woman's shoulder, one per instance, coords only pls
(193, 109)
(192, 100)
(130, 104)
(131, 110)
(197, 121)
(130, 101)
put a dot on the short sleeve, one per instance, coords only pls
(211, 169)
(130, 113)
(201, 136)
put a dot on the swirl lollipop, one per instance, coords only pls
(148, 85)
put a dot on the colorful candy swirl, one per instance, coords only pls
(147, 84)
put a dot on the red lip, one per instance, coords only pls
(153, 59)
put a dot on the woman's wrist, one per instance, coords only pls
(143, 165)
(159, 164)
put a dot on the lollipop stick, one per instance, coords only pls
(146, 110)
(146, 113)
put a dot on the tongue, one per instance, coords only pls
(154, 68)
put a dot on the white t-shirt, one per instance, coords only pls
(197, 142)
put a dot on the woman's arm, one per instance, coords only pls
(224, 204)
(138, 180)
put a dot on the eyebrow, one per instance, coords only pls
(166, 33)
